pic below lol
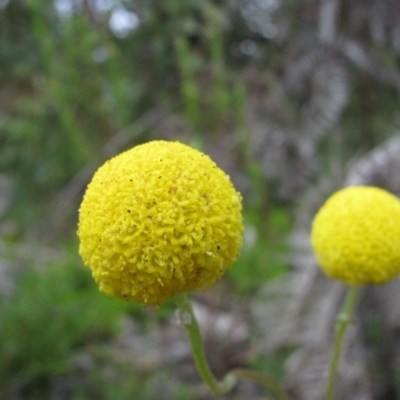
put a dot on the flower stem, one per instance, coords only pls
(342, 321)
(188, 319)
(261, 378)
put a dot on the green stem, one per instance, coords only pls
(188, 319)
(261, 378)
(342, 321)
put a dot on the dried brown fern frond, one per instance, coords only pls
(330, 90)
(379, 167)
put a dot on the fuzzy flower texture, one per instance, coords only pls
(158, 220)
(356, 236)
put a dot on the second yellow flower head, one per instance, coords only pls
(356, 235)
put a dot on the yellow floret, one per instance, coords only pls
(356, 236)
(158, 220)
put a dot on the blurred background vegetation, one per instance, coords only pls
(285, 96)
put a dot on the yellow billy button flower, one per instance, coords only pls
(159, 220)
(356, 235)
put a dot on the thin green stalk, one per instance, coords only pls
(343, 320)
(261, 378)
(188, 319)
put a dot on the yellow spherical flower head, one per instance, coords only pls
(356, 235)
(158, 220)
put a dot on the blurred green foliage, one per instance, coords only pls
(70, 84)
(37, 343)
